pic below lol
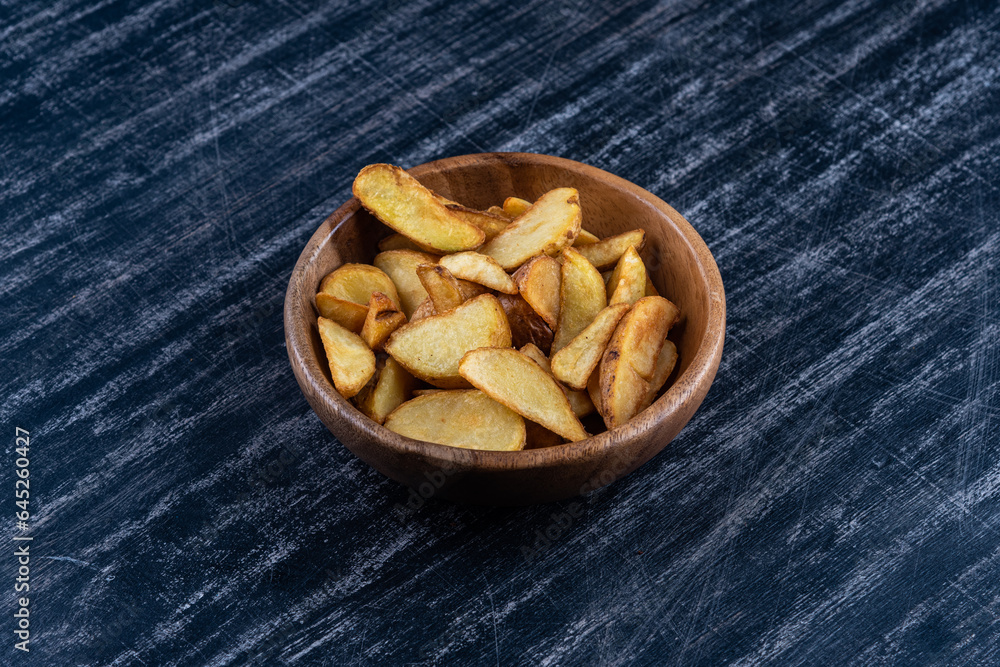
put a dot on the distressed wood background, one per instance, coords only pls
(836, 500)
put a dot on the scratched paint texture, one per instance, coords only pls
(836, 500)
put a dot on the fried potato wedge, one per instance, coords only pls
(402, 203)
(515, 206)
(573, 364)
(383, 318)
(481, 269)
(392, 389)
(538, 282)
(401, 267)
(441, 286)
(498, 210)
(357, 282)
(585, 238)
(431, 348)
(664, 367)
(513, 379)
(352, 363)
(631, 278)
(397, 242)
(551, 224)
(347, 314)
(534, 353)
(526, 326)
(594, 391)
(605, 253)
(463, 418)
(630, 359)
(578, 400)
(581, 296)
(491, 223)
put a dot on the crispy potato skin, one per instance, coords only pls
(526, 326)
(347, 314)
(538, 281)
(399, 201)
(630, 360)
(441, 285)
(383, 318)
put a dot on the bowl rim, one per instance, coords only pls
(695, 378)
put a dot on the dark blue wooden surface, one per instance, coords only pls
(836, 500)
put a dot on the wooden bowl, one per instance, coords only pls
(679, 263)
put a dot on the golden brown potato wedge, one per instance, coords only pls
(594, 391)
(605, 253)
(573, 364)
(397, 242)
(383, 318)
(348, 314)
(585, 238)
(630, 359)
(526, 326)
(551, 224)
(463, 418)
(402, 203)
(581, 296)
(391, 390)
(535, 353)
(351, 362)
(491, 223)
(401, 267)
(578, 400)
(664, 367)
(631, 279)
(650, 287)
(441, 286)
(497, 210)
(424, 392)
(480, 269)
(538, 282)
(522, 385)
(515, 206)
(357, 282)
(431, 348)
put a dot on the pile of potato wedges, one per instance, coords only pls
(493, 329)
